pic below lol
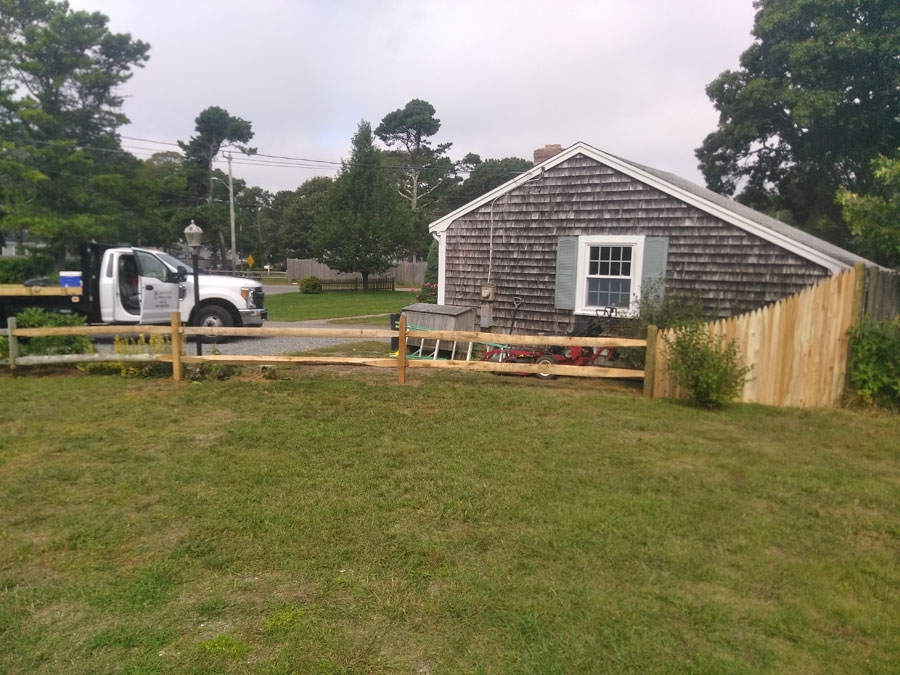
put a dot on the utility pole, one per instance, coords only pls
(234, 255)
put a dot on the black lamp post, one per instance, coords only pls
(192, 235)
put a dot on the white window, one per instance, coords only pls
(608, 273)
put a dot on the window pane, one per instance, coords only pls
(609, 276)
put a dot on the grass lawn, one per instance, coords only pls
(300, 307)
(330, 521)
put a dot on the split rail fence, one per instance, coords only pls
(797, 348)
(177, 334)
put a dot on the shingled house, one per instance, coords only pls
(584, 230)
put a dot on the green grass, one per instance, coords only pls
(330, 521)
(300, 307)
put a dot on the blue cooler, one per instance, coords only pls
(70, 279)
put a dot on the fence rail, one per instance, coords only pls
(178, 332)
(797, 348)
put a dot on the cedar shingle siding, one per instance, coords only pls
(729, 269)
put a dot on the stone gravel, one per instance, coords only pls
(276, 345)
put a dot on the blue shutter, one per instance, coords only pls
(566, 272)
(653, 276)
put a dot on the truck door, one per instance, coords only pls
(158, 298)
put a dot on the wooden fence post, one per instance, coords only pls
(401, 351)
(13, 344)
(650, 361)
(177, 370)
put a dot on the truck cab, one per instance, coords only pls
(144, 286)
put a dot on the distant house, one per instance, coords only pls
(584, 230)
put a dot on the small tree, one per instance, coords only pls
(363, 225)
(708, 368)
(431, 267)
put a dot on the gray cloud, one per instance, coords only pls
(505, 76)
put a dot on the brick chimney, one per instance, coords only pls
(545, 153)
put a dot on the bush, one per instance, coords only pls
(708, 368)
(874, 370)
(61, 344)
(19, 270)
(431, 266)
(310, 286)
(655, 308)
(427, 294)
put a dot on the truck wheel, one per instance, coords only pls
(550, 361)
(214, 316)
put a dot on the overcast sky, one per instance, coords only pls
(505, 76)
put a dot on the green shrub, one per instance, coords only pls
(155, 344)
(707, 367)
(874, 371)
(19, 270)
(60, 344)
(655, 308)
(431, 266)
(310, 285)
(427, 294)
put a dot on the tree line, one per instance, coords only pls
(65, 177)
(809, 131)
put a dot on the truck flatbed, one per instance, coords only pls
(18, 290)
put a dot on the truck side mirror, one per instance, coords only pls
(177, 277)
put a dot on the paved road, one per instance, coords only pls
(275, 289)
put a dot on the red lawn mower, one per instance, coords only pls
(553, 355)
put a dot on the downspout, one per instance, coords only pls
(442, 266)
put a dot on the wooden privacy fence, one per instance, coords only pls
(403, 273)
(797, 348)
(177, 333)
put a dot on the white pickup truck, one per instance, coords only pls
(125, 285)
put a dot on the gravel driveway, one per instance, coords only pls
(281, 344)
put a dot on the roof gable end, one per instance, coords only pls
(769, 229)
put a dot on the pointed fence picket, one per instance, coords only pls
(797, 348)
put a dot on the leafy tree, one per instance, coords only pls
(485, 175)
(59, 117)
(294, 215)
(814, 102)
(363, 225)
(431, 267)
(874, 219)
(256, 229)
(61, 72)
(411, 128)
(423, 174)
(163, 181)
(216, 129)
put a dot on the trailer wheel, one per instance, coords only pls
(550, 361)
(214, 316)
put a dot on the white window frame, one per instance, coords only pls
(585, 242)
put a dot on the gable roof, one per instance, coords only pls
(765, 227)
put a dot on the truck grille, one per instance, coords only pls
(257, 298)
